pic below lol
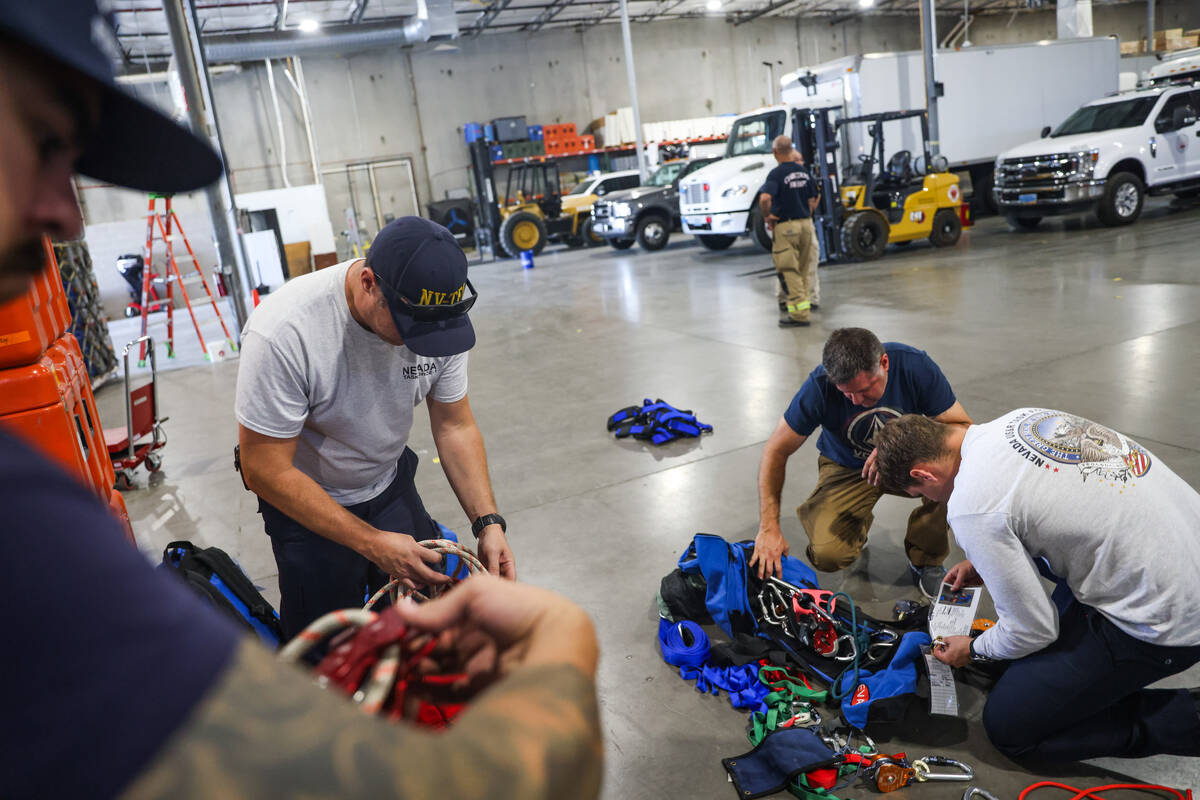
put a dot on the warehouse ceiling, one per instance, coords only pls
(142, 26)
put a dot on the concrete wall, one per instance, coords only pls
(1127, 21)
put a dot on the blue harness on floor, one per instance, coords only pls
(655, 421)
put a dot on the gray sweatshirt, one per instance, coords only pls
(1108, 516)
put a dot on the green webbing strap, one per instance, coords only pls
(785, 690)
(796, 690)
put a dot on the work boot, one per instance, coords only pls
(928, 579)
(788, 322)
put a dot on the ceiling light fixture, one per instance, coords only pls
(309, 25)
(714, 5)
(865, 3)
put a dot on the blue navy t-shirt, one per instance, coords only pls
(791, 187)
(105, 655)
(915, 385)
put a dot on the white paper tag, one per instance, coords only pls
(943, 696)
(953, 612)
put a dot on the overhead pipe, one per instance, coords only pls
(339, 39)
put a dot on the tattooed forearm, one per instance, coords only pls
(265, 730)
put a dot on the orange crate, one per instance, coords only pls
(31, 323)
(50, 404)
(116, 504)
(589, 142)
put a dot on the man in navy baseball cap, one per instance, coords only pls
(423, 275)
(123, 140)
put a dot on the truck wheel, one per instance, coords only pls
(864, 236)
(1121, 202)
(621, 244)
(1022, 223)
(947, 227)
(758, 230)
(588, 234)
(522, 231)
(653, 232)
(712, 242)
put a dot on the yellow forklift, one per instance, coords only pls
(532, 211)
(897, 203)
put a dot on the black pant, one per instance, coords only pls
(318, 575)
(1084, 697)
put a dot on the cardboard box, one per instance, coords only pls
(323, 260)
(1183, 42)
(299, 258)
(1133, 48)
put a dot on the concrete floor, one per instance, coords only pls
(1101, 322)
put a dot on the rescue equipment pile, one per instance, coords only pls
(657, 422)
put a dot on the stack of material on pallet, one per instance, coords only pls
(87, 315)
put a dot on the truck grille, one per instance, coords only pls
(695, 193)
(600, 210)
(1036, 170)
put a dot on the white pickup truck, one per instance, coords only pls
(1106, 157)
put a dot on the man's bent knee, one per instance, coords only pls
(832, 556)
(1007, 730)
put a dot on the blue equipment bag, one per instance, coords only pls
(777, 761)
(213, 575)
(655, 421)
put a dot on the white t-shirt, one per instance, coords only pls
(308, 369)
(1108, 516)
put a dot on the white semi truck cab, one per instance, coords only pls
(717, 203)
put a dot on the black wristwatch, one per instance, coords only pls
(975, 657)
(488, 519)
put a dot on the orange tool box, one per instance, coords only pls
(31, 323)
(50, 405)
(116, 504)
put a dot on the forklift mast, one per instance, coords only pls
(485, 188)
(815, 136)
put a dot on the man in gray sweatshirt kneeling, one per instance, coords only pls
(1044, 491)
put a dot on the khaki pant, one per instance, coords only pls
(838, 514)
(795, 246)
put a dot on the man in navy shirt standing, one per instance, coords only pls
(860, 386)
(787, 199)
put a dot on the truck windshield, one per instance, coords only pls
(1107, 116)
(755, 134)
(666, 174)
(583, 186)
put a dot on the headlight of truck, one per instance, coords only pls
(1085, 163)
(621, 210)
(734, 191)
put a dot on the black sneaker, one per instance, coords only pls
(782, 307)
(928, 579)
(788, 322)
(815, 306)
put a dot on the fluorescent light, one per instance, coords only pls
(714, 5)
(865, 3)
(309, 25)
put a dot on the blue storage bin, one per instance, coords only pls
(497, 152)
(472, 131)
(489, 132)
(535, 133)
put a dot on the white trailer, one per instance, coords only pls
(995, 97)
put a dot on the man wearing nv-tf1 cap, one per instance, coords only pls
(332, 366)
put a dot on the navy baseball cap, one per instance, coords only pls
(133, 144)
(423, 274)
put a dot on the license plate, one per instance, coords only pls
(696, 221)
(1027, 198)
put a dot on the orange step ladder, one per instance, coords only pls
(167, 224)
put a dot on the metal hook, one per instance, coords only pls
(924, 773)
(975, 791)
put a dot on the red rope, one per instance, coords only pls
(1082, 794)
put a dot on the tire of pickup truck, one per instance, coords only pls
(621, 244)
(712, 242)
(947, 227)
(865, 236)
(1121, 202)
(653, 232)
(1022, 223)
(758, 230)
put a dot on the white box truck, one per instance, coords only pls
(994, 98)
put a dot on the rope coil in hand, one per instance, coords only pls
(374, 657)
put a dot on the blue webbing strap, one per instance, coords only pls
(673, 638)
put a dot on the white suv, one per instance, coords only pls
(1106, 157)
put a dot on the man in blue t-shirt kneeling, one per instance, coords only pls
(860, 386)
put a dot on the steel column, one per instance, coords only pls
(928, 45)
(633, 98)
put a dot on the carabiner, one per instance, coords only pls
(924, 773)
(853, 648)
(975, 791)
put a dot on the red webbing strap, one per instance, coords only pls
(1085, 794)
